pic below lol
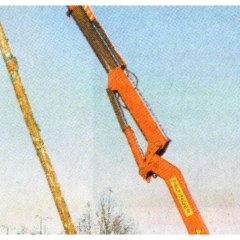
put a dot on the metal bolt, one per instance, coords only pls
(157, 144)
(147, 153)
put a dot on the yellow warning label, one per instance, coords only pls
(181, 197)
(198, 231)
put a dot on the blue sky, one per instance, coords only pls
(187, 60)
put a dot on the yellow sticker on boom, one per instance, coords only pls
(181, 197)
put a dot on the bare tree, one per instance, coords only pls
(106, 219)
(85, 224)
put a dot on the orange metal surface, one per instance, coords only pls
(71, 7)
(175, 183)
(118, 81)
(152, 162)
(180, 193)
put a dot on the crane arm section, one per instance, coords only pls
(119, 83)
(96, 36)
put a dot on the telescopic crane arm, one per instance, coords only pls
(119, 83)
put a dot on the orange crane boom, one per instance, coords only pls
(119, 84)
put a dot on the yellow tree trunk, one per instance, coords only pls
(34, 131)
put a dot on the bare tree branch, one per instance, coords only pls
(107, 219)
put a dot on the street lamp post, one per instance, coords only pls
(41, 218)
